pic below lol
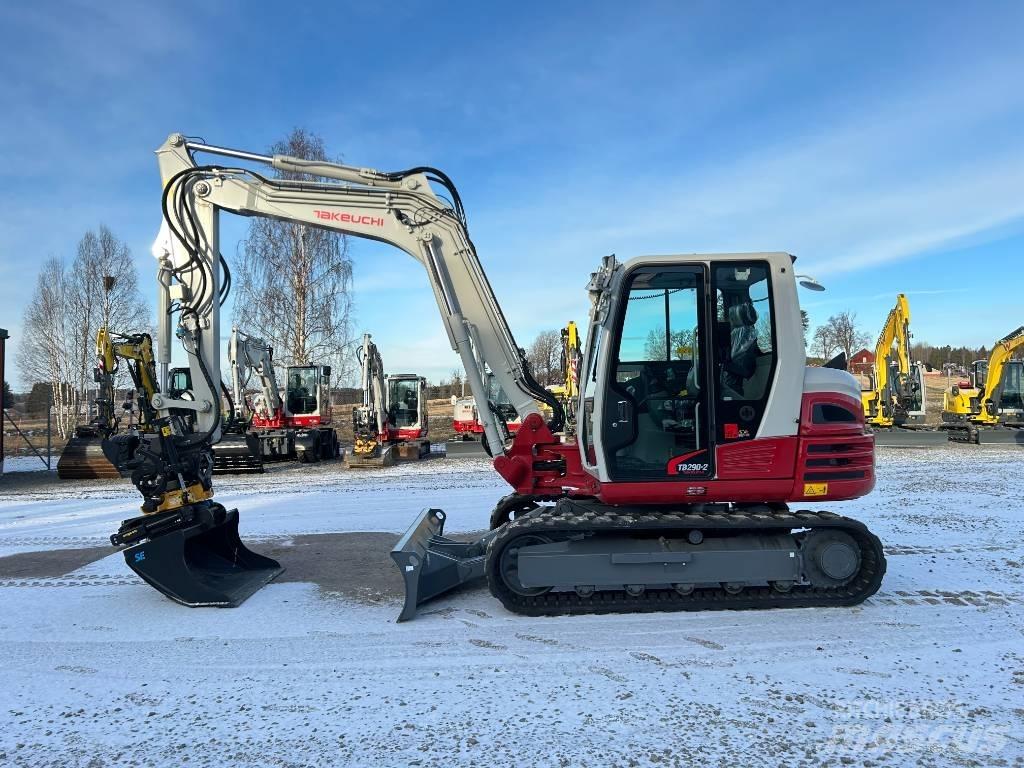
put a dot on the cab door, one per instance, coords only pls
(655, 423)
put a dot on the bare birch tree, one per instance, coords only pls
(67, 309)
(545, 356)
(47, 354)
(294, 281)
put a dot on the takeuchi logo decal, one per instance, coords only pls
(349, 218)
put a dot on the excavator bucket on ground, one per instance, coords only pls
(198, 564)
(83, 458)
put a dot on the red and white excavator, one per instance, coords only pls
(699, 424)
(391, 423)
(296, 425)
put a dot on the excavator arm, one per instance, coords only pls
(252, 354)
(368, 419)
(399, 208)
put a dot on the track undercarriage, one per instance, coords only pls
(582, 556)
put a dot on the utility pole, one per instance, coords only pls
(109, 281)
(4, 336)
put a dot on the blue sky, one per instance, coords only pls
(881, 143)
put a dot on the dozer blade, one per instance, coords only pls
(431, 564)
(199, 565)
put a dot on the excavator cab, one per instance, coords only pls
(406, 405)
(307, 407)
(501, 401)
(180, 381)
(1012, 396)
(306, 391)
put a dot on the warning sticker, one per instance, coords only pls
(815, 489)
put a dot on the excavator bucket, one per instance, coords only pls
(202, 565)
(432, 564)
(83, 458)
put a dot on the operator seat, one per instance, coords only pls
(743, 352)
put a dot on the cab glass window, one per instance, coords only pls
(744, 346)
(403, 402)
(302, 390)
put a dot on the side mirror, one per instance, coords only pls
(326, 371)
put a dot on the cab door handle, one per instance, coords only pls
(623, 410)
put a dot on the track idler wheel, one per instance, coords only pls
(509, 565)
(831, 558)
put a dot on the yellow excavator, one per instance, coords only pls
(993, 395)
(895, 394)
(82, 457)
(568, 390)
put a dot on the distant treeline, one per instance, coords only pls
(936, 357)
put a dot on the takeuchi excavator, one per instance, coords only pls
(896, 395)
(295, 426)
(391, 423)
(989, 406)
(699, 423)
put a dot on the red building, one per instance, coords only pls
(862, 362)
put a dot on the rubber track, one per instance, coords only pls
(568, 518)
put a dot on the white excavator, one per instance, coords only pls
(240, 449)
(294, 426)
(368, 418)
(698, 422)
(391, 423)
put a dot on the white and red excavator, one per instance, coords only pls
(293, 423)
(391, 423)
(699, 424)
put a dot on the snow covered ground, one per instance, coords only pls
(29, 463)
(100, 670)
